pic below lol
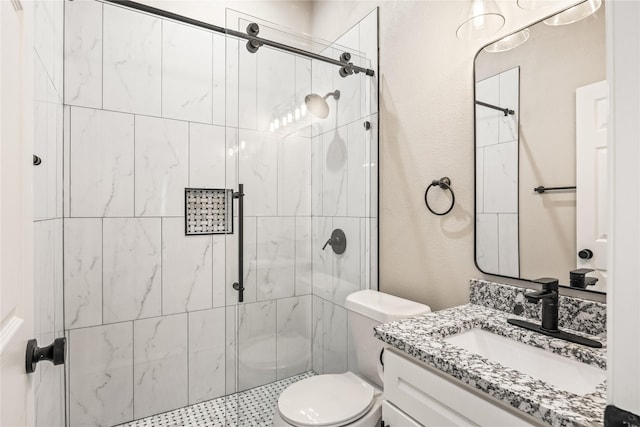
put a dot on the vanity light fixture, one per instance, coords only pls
(575, 14)
(480, 18)
(509, 42)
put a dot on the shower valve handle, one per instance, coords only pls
(328, 243)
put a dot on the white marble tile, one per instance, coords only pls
(101, 163)
(479, 178)
(187, 72)
(48, 276)
(501, 178)
(275, 94)
(207, 156)
(162, 166)
(258, 153)
(219, 279)
(357, 169)
(293, 340)
(487, 119)
(372, 177)
(508, 245)
(302, 89)
(369, 48)
(317, 333)
(509, 98)
(206, 355)
(218, 73)
(248, 88)
(131, 69)
(231, 158)
(334, 173)
(294, 175)
(275, 257)
(66, 174)
(47, 135)
(49, 391)
(487, 242)
(317, 164)
(365, 253)
(83, 54)
(101, 380)
(256, 344)
(322, 260)
(131, 268)
(58, 47)
(230, 79)
(160, 364)
(303, 263)
(347, 270)
(187, 272)
(334, 341)
(44, 34)
(82, 272)
(231, 361)
(374, 254)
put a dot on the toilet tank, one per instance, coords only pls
(367, 309)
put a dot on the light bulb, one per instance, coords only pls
(289, 117)
(303, 110)
(297, 114)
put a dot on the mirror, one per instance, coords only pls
(540, 121)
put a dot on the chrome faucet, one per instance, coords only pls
(549, 296)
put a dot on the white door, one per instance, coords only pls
(16, 288)
(592, 222)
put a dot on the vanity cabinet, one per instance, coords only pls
(431, 399)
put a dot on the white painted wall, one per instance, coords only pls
(426, 125)
(623, 69)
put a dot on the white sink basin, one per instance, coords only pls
(561, 372)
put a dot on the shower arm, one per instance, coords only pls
(253, 40)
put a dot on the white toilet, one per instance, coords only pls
(353, 398)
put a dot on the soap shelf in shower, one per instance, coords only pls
(208, 211)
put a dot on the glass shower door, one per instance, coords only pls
(302, 176)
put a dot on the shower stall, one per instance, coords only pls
(219, 203)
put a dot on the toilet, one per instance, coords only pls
(352, 398)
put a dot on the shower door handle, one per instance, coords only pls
(239, 285)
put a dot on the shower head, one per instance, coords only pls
(318, 104)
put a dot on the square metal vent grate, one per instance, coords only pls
(208, 211)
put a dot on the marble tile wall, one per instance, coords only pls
(497, 243)
(152, 107)
(48, 380)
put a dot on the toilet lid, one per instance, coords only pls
(326, 400)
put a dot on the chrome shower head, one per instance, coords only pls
(318, 105)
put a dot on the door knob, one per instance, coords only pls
(585, 254)
(54, 353)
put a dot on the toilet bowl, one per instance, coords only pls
(351, 398)
(330, 400)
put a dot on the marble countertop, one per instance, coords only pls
(421, 337)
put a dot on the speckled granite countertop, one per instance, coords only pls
(421, 338)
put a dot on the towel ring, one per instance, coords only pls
(445, 184)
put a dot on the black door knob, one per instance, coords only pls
(54, 353)
(585, 254)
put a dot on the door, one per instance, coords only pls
(16, 289)
(592, 222)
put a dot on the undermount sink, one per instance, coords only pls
(561, 372)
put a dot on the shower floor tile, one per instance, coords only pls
(257, 407)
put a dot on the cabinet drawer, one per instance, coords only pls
(433, 400)
(394, 417)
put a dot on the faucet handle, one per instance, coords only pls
(548, 283)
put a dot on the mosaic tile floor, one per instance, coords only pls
(258, 406)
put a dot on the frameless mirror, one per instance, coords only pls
(540, 148)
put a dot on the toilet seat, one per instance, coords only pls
(328, 400)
